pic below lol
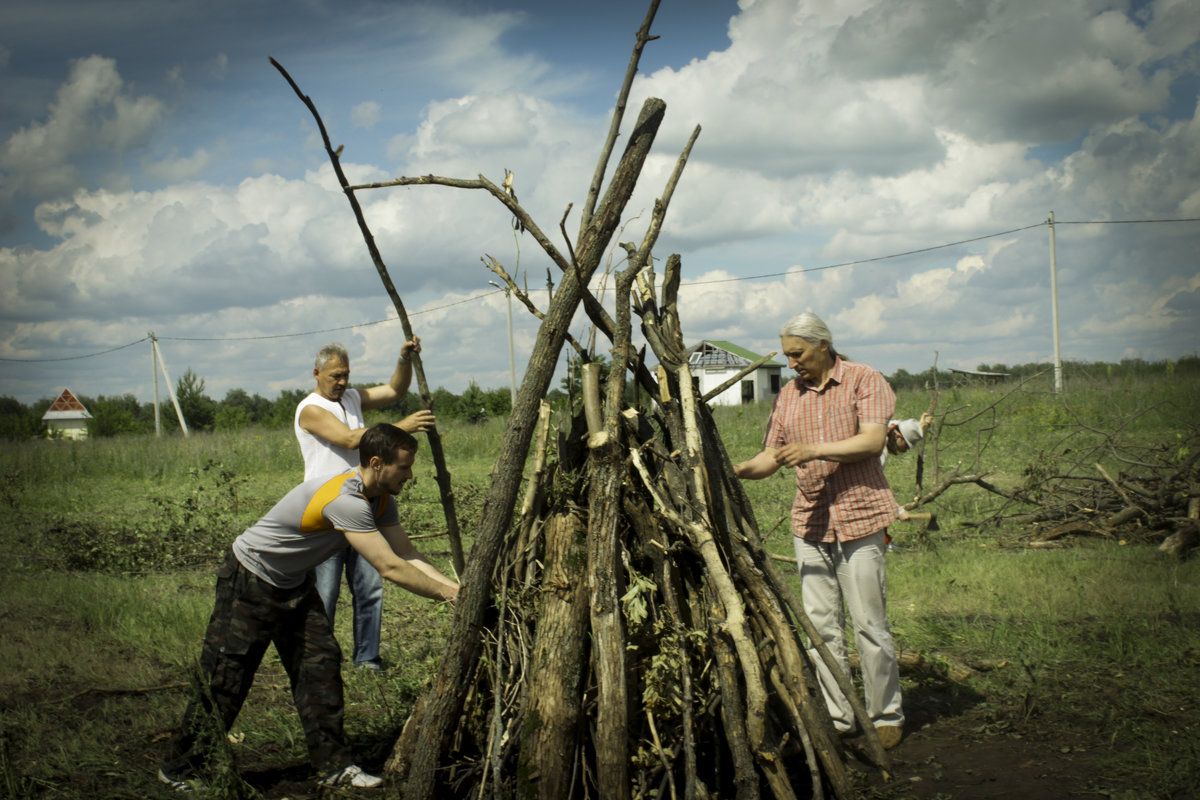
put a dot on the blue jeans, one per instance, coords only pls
(366, 587)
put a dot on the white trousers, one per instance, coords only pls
(853, 575)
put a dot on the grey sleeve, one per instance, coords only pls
(350, 513)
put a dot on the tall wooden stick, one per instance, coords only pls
(435, 439)
(415, 757)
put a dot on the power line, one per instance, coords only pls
(682, 284)
(865, 260)
(324, 330)
(76, 358)
(1122, 221)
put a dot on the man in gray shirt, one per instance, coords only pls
(266, 594)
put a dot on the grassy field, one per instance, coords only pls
(1090, 650)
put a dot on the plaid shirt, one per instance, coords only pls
(836, 501)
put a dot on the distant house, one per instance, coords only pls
(67, 418)
(715, 362)
(968, 376)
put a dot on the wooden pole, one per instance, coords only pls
(1058, 377)
(154, 374)
(170, 387)
(435, 439)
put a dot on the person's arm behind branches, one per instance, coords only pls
(387, 393)
(763, 465)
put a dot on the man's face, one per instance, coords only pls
(392, 477)
(896, 443)
(332, 379)
(809, 360)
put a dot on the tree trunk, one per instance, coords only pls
(415, 756)
(608, 630)
(550, 736)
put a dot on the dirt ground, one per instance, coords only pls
(957, 746)
(960, 756)
(964, 758)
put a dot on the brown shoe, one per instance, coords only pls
(889, 735)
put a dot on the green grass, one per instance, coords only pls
(1099, 637)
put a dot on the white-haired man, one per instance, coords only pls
(830, 425)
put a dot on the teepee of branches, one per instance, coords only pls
(624, 635)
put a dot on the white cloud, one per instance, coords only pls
(477, 124)
(176, 170)
(366, 115)
(92, 111)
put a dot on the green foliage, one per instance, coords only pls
(283, 411)
(194, 528)
(199, 410)
(473, 404)
(17, 422)
(240, 410)
(446, 404)
(112, 416)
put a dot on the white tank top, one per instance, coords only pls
(321, 457)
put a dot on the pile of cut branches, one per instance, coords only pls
(641, 644)
(627, 636)
(1145, 492)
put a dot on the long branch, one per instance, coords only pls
(478, 183)
(614, 128)
(435, 439)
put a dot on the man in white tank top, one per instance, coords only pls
(329, 424)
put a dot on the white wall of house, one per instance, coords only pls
(752, 388)
(67, 428)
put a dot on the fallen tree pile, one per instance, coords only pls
(1148, 492)
(641, 643)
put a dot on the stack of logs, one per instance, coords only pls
(641, 643)
(1147, 492)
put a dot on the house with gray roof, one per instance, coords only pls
(714, 362)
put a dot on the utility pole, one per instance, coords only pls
(154, 372)
(512, 360)
(1058, 376)
(170, 387)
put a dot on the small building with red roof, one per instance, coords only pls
(66, 418)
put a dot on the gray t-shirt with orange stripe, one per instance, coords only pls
(305, 528)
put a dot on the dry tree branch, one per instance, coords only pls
(478, 183)
(614, 128)
(523, 296)
(435, 439)
(715, 392)
(428, 732)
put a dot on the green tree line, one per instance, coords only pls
(115, 415)
(119, 414)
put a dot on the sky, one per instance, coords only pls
(887, 164)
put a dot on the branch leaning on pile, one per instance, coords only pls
(435, 439)
(415, 757)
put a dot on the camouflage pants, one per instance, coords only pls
(248, 615)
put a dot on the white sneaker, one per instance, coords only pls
(177, 784)
(351, 776)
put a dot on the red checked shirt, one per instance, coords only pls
(835, 501)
